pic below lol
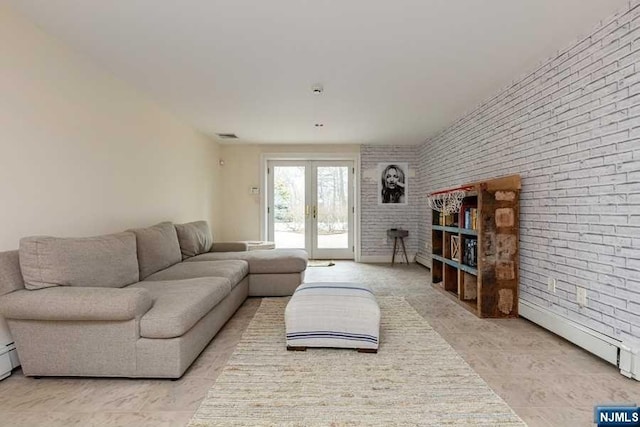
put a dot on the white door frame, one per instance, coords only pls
(355, 157)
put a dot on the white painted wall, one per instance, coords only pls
(82, 153)
(241, 171)
(571, 129)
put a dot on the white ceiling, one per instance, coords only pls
(394, 72)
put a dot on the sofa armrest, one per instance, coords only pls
(230, 247)
(76, 303)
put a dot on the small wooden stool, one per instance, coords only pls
(398, 234)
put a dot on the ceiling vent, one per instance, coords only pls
(227, 135)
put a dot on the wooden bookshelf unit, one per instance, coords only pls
(482, 274)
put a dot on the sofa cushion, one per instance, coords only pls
(229, 247)
(263, 262)
(158, 248)
(76, 303)
(10, 274)
(234, 270)
(180, 304)
(100, 261)
(194, 238)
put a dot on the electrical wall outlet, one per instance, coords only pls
(551, 285)
(581, 296)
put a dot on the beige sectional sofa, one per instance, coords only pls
(142, 303)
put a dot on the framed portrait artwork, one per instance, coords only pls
(393, 183)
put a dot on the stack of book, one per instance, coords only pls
(469, 217)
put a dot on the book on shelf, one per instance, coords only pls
(462, 215)
(474, 218)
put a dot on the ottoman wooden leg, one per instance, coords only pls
(367, 350)
(293, 348)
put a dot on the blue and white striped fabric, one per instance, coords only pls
(336, 314)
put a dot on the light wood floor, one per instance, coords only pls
(545, 379)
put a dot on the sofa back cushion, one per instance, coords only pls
(101, 261)
(10, 274)
(195, 238)
(158, 248)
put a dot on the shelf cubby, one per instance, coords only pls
(450, 279)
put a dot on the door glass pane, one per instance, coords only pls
(333, 207)
(288, 206)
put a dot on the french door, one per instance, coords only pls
(310, 206)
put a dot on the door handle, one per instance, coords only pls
(315, 212)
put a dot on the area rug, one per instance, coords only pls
(416, 378)
(320, 263)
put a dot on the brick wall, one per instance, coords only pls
(571, 129)
(375, 218)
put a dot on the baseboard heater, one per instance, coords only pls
(614, 351)
(8, 360)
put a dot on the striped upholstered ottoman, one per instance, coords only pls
(344, 315)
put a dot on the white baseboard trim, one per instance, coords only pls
(375, 259)
(423, 260)
(378, 259)
(614, 351)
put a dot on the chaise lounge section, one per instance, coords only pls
(142, 303)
